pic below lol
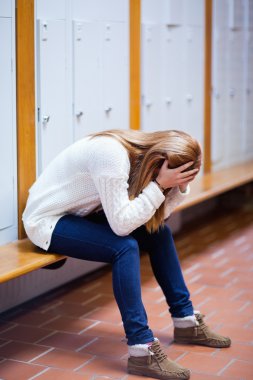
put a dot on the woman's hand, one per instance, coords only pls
(174, 177)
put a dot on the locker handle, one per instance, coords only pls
(79, 114)
(108, 109)
(168, 100)
(189, 97)
(46, 119)
(232, 92)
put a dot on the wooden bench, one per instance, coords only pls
(21, 256)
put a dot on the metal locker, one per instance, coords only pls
(6, 8)
(193, 12)
(51, 10)
(7, 141)
(114, 68)
(237, 9)
(249, 15)
(54, 130)
(235, 70)
(100, 10)
(248, 141)
(151, 77)
(171, 74)
(219, 96)
(220, 13)
(151, 11)
(193, 63)
(172, 14)
(87, 89)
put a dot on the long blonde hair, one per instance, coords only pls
(147, 152)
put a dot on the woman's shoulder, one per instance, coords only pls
(108, 153)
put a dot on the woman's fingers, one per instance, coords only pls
(184, 180)
(186, 174)
(184, 167)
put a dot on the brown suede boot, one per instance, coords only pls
(157, 365)
(200, 335)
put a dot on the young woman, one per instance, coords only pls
(105, 198)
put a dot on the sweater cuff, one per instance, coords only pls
(186, 192)
(155, 195)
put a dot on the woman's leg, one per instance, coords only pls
(92, 239)
(166, 267)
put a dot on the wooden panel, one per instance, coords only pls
(22, 257)
(25, 103)
(207, 86)
(135, 81)
(212, 184)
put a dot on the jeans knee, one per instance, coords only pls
(129, 246)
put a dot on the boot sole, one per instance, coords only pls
(154, 375)
(199, 344)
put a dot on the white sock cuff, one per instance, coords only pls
(188, 321)
(140, 349)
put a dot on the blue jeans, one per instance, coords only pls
(91, 238)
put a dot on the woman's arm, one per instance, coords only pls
(125, 215)
(174, 198)
(109, 168)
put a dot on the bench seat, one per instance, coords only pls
(21, 256)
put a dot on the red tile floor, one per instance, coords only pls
(75, 332)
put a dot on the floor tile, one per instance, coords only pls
(13, 370)
(63, 359)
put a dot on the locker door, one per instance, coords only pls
(87, 89)
(249, 98)
(237, 9)
(221, 13)
(6, 8)
(7, 151)
(235, 68)
(171, 72)
(114, 69)
(193, 12)
(53, 130)
(151, 77)
(219, 95)
(172, 12)
(193, 48)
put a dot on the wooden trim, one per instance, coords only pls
(135, 63)
(208, 87)
(25, 83)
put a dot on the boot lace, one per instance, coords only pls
(202, 324)
(158, 352)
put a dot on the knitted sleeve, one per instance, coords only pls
(109, 169)
(173, 199)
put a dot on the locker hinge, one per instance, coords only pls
(12, 65)
(38, 114)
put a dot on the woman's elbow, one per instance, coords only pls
(121, 230)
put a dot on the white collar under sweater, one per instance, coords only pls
(89, 174)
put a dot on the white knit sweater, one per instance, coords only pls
(91, 174)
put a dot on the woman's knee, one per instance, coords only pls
(127, 246)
